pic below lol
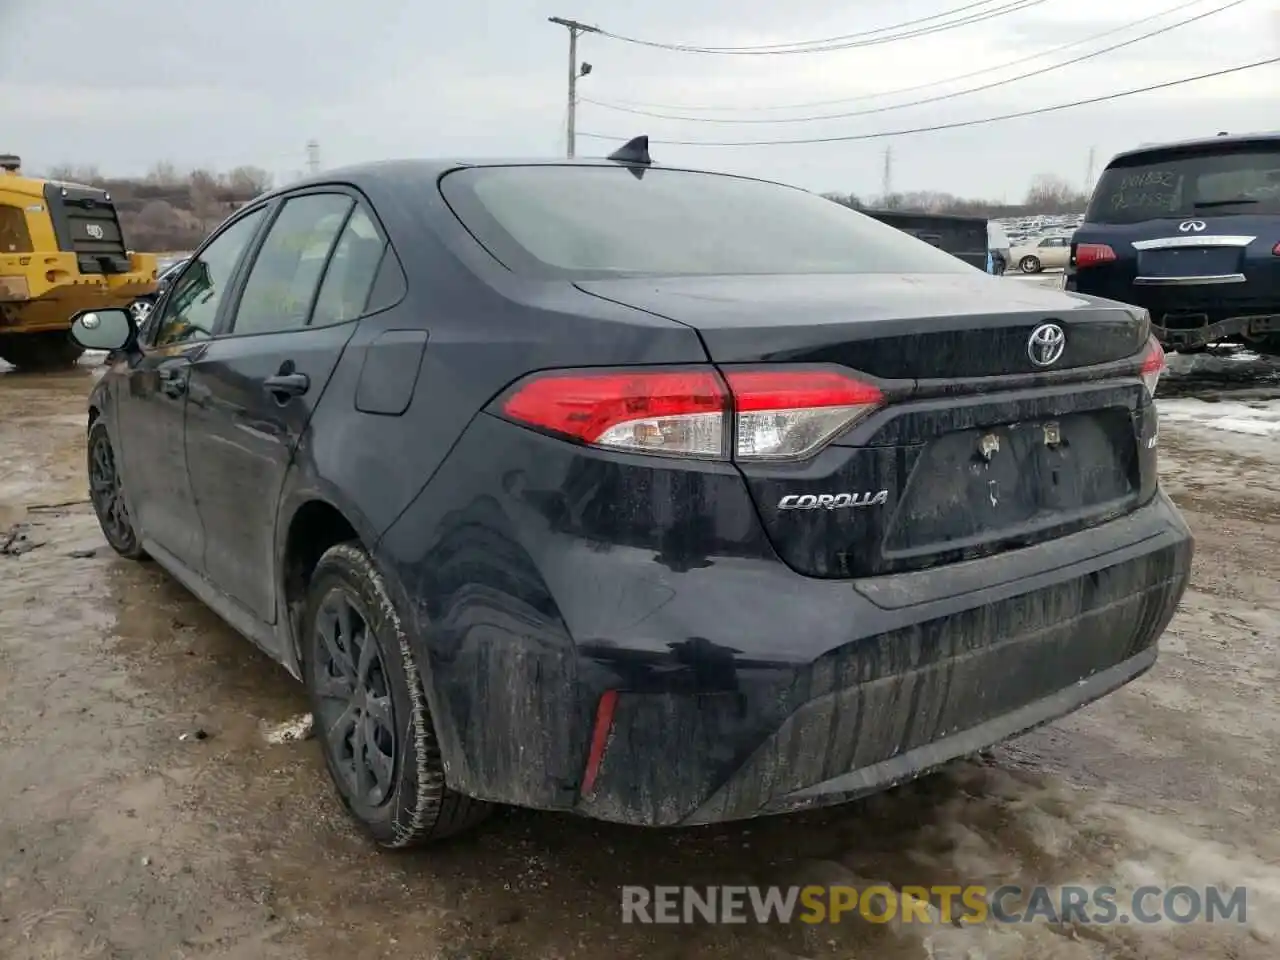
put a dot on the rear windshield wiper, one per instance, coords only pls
(1224, 203)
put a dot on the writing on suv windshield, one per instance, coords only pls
(1152, 186)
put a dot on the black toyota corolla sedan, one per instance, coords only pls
(655, 495)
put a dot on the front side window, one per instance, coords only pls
(282, 282)
(580, 222)
(190, 310)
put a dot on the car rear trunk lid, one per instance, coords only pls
(977, 450)
(925, 326)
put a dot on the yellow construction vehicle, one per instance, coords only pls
(61, 251)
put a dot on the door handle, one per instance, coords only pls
(173, 382)
(285, 385)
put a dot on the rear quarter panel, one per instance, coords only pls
(486, 328)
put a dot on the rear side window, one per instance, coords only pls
(282, 283)
(1219, 181)
(583, 222)
(344, 294)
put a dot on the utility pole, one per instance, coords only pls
(886, 186)
(313, 157)
(576, 70)
(1088, 171)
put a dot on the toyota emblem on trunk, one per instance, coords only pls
(1046, 344)
(1186, 226)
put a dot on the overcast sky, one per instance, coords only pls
(122, 85)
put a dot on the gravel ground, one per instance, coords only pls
(149, 814)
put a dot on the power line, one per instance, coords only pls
(848, 41)
(935, 99)
(773, 47)
(916, 87)
(956, 125)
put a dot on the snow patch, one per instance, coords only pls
(1261, 419)
(297, 728)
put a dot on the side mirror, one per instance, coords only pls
(107, 329)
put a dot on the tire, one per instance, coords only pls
(410, 805)
(1029, 264)
(106, 493)
(50, 350)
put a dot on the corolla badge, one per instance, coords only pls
(833, 501)
(1046, 344)
(1192, 226)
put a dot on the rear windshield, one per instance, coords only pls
(1214, 181)
(582, 222)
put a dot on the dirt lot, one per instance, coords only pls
(146, 815)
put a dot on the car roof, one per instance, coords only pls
(1199, 143)
(392, 173)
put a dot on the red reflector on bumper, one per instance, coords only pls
(599, 739)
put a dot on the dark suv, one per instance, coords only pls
(1191, 231)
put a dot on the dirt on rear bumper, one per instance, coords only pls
(886, 708)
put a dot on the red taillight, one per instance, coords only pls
(778, 413)
(796, 389)
(677, 412)
(1092, 254)
(786, 414)
(1153, 365)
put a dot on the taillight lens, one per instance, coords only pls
(777, 413)
(1153, 365)
(673, 412)
(787, 414)
(1092, 254)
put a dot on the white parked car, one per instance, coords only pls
(1050, 252)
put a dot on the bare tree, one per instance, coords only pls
(1052, 194)
(248, 180)
(163, 174)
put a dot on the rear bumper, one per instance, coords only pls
(888, 706)
(1186, 317)
(819, 717)
(1175, 338)
(740, 688)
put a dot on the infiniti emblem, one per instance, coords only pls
(1186, 226)
(1046, 344)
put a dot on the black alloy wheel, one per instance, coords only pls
(354, 709)
(370, 711)
(106, 493)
